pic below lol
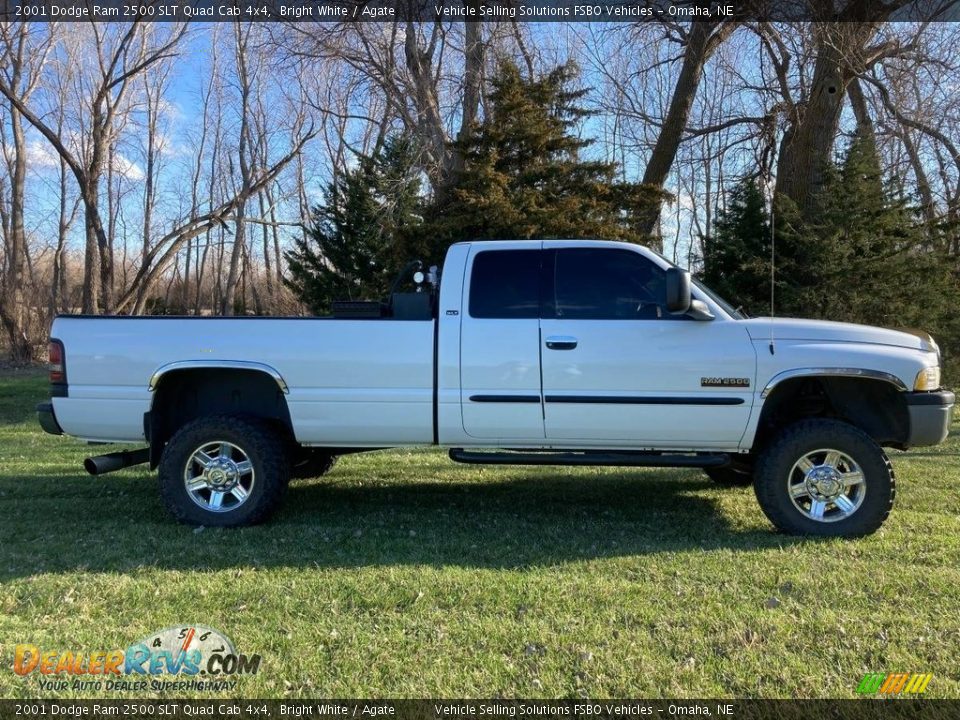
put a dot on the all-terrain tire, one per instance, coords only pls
(251, 444)
(776, 469)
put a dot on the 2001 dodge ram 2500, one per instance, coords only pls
(519, 352)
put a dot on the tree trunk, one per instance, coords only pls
(239, 238)
(927, 204)
(149, 191)
(91, 256)
(278, 255)
(807, 145)
(58, 293)
(703, 39)
(16, 313)
(97, 271)
(267, 264)
(472, 79)
(860, 110)
(430, 126)
(233, 276)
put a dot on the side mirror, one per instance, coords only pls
(678, 291)
(699, 310)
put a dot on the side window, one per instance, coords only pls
(505, 284)
(608, 284)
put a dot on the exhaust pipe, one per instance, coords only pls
(111, 462)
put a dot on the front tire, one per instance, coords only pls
(825, 478)
(224, 471)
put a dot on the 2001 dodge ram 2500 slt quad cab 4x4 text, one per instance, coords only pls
(519, 352)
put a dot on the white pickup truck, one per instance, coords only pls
(519, 352)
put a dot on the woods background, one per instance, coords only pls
(177, 168)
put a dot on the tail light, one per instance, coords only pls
(58, 363)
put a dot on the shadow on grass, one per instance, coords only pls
(20, 391)
(510, 520)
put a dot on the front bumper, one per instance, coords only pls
(48, 420)
(930, 415)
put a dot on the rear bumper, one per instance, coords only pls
(48, 419)
(930, 415)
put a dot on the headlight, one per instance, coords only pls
(928, 379)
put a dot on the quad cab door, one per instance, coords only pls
(619, 369)
(500, 345)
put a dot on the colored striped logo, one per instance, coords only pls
(894, 683)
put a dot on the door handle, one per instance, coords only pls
(561, 342)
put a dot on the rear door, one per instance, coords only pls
(618, 368)
(500, 345)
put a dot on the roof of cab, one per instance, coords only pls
(549, 242)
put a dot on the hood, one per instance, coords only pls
(824, 330)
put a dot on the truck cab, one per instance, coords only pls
(571, 345)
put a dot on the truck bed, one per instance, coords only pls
(339, 388)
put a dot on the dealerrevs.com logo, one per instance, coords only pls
(196, 657)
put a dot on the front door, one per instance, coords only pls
(618, 368)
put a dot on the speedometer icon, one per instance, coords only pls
(188, 638)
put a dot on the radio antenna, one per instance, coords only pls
(773, 264)
(773, 223)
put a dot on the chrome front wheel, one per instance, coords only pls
(826, 485)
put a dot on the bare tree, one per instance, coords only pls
(245, 86)
(24, 50)
(166, 247)
(700, 41)
(121, 54)
(843, 51)
(426, 76)
(154, 88)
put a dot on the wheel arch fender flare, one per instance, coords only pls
(186, 389)
(835, 385)
(827, 372)
(164, 370)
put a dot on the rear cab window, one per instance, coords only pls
(505, 284)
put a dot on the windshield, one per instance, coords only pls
(735, 313)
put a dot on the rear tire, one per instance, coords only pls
(224, 471)
(825, 478)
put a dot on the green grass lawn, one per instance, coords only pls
(402, 574)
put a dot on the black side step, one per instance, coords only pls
(636, 459)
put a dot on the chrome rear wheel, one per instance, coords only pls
(219, 476)
(224, 470)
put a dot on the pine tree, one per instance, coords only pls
(350, 251)
(524, 173)
(865, 259)
(737, 257)
(872, 265)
